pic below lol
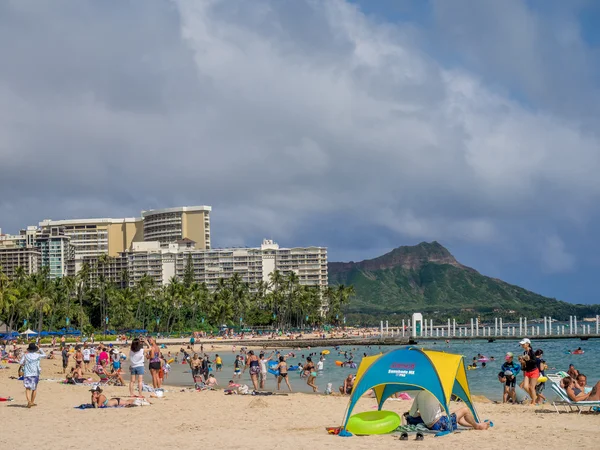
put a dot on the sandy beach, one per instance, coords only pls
(214, 420)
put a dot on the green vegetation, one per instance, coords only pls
(181, 305)
(426, 278)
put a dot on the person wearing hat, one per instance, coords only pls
(508, 376)
(99, 400)
(530, 367)
(31, 372)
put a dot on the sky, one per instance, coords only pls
(357, 125)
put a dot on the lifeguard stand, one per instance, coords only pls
(417, 324)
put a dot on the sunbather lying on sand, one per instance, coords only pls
(99, 400)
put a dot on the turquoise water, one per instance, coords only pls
(482, 381)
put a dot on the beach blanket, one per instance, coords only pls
(84, 406)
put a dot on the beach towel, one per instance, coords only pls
(84, 406)
(420, 428)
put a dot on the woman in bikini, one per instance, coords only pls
(78, 358)
(253, 363)
(311, 372)
(99, 400)
(154, 362)
(283, 373)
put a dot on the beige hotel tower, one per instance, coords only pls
(91, 238)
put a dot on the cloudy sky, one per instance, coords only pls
(357, 125)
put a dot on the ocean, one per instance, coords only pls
(482, 381)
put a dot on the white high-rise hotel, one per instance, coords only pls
(158, 244)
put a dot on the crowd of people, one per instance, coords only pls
(82, 360)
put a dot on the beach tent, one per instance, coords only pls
(412, 369)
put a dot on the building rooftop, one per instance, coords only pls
(50, 222)
(177, 209)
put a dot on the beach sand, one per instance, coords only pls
(211, 419)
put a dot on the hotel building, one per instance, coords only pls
(34, 248)
(174, 224)
(94, 237)
(13, 256)
(161, 263)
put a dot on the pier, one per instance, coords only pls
(423, 328)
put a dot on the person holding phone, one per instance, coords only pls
(136, 365)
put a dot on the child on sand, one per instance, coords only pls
(237, 367)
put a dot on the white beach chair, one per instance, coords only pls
(565, 401)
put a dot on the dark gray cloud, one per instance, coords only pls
(304, 121)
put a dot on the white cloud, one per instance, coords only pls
(277, 114)
(554, 256)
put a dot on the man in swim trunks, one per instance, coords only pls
(429, 409)
(86, 357)
(195, 365)
(263, 368)
(346, 389)
(237, 367)
(65, 358)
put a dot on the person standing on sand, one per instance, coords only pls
(136, 367)
(530, 367)
(508, 377)
(154, 364)
(86, 357)
(65, 358)
(31, 372)
(78, 358)
(310, 371)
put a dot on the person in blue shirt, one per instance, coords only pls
(508, 377)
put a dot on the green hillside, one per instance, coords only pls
(427, 278)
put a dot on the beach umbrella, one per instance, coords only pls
(27, 332)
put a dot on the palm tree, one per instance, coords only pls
(101, 265)
(239, 296)
(82, 290)
(276, 281)
(142, 291)
(198, 295)
(8, 298)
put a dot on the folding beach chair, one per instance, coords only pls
(105, 379)
(565, 401)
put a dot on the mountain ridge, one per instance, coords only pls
(427, 278)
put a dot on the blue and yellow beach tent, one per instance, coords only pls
(412, 369)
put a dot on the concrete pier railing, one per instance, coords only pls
(420, 327)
